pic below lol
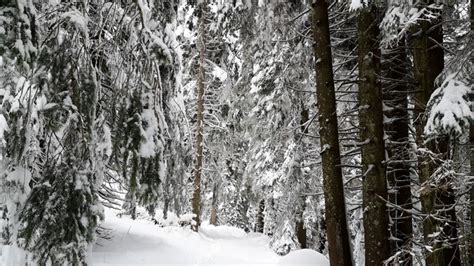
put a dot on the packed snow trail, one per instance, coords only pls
(141, 242)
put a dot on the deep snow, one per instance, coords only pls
(142, 242)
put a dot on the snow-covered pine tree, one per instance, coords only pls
(18, 81)
(210, 39)
(60, 216)
(437, 190)
(143, 99)
(449, 113)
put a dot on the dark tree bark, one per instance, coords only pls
(398, 150)
(338, 237)
(260, 217)
(471, 140)
(196, 200)
(300, 229)
(436, 199)
(471, 144)
(376, 222)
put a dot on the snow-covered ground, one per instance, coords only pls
(142, 242)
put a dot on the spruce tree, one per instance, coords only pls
(337, 234)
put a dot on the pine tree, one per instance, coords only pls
(376, 226)
(60, 216)
(338, 237)
(398, 150)
(19, 51)
(199, 146)
(471, 141)
(437, 191)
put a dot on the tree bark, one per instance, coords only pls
(437, 199)
(196, 200)
(471, 144)
(215, 193)
(398, 167)
(337, 234)
(260, 217)
(301, 230)
(471, 140)
(376, 220)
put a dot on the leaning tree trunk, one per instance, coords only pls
(376, 222)
(436, 199)
(398, 150)
(338, 237)
(196, 200)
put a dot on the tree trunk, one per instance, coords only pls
(260, 217)
(428, 59)
(213, 219)
(300, 229)
(166, 198)
(299, 226)
(196, 200)
(398, 171)
(376, 222)
(471, 140)
(338, 237)
(471, 143)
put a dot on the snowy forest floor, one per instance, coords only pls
(139, 242)
(127, 242)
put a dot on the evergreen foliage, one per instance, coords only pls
(338, 126)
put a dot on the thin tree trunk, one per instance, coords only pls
(428, 58)
(300, 229)
(337, 234)
(166, 198)
(299, 226)
(376, 220)
(471, 142)
(215, 192)
(260, 217)
(196, 200)
(398, 170)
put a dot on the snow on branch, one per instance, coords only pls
(399, 19)
(157, 42)
(449, 110)
(356, 4)
(79, 20)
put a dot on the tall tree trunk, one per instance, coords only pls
(471, 140)
(438, 200)
(398, 171)
(376, 222)
(471, 144)
(337, 234)
(196, 200)
(300, 229)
